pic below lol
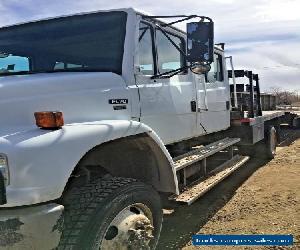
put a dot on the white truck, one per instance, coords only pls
(104, 113)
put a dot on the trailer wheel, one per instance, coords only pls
(267, 148)
(117, 213)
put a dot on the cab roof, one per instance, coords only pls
(128, 10)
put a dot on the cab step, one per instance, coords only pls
(198, 188)
(196, 155)
(199, 156)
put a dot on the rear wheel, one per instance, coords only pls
(268, 146)
(265, 149)
(117, 213)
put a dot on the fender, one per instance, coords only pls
(41, 161)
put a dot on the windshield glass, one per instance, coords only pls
(90, 42)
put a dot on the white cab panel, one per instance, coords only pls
(213, 103)
(166, 107)
(82, 97)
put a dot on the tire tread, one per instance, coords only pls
(81, 203)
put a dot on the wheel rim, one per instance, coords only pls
(131, 228)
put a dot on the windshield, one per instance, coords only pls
(90, 42)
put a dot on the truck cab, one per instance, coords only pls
(122, 82)
(120, 56)
(185, 105)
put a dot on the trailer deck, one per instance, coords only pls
(252, 130)
(266, 116)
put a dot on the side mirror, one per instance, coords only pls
(200, 43)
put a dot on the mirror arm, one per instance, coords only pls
(179, 21)
(171, 41)
(184, 18)
(142, 35)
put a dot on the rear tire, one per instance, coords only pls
(265, 149)
(115, 213)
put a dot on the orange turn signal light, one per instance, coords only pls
(49, 119)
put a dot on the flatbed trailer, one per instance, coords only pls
(200, 169)
(252, 130)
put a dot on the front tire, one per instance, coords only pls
(115, 213)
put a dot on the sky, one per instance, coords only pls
(261, 35)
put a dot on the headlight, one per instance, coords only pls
(4, 169)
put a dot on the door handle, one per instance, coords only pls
(193, 106)
(227, 105)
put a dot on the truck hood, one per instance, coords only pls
(81, 96)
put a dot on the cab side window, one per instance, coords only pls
(145, 55)
(11, 63)
(168, 56)
(216, 71)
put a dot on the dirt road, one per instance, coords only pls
(261, 198)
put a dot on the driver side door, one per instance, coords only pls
(166, 104)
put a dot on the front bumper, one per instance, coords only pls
(35, 227)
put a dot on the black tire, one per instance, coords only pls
(265, 149)
(268, 147)
(90, 209)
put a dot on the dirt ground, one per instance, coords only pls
(260, 198)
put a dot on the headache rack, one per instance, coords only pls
(254, 106)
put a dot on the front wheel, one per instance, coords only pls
(116, 213)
